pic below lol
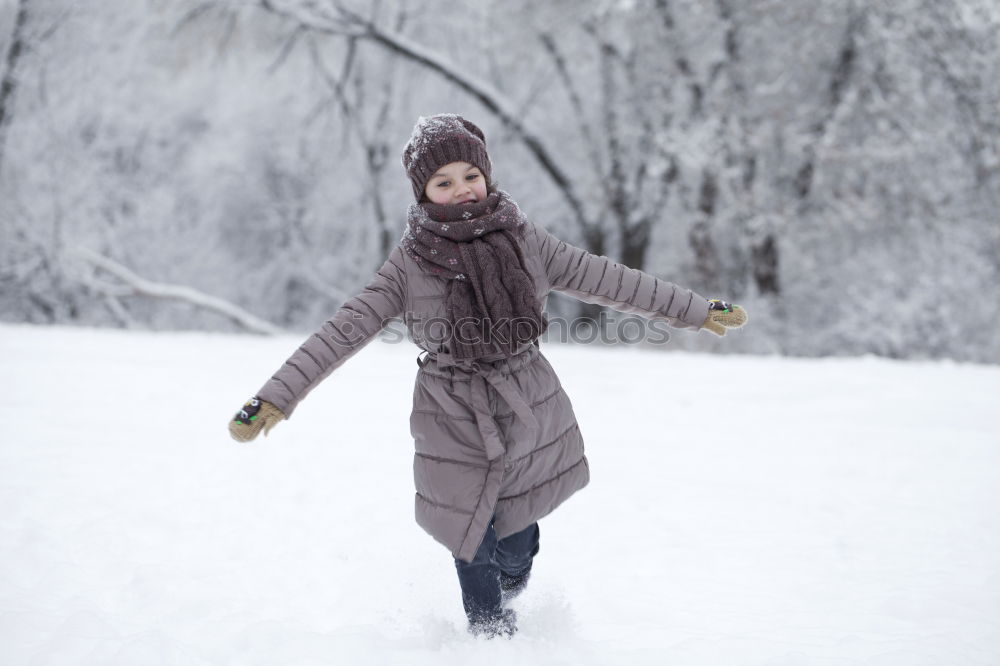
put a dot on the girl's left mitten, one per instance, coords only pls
(255, 416)
(722, 316)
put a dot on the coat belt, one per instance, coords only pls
(481, 375)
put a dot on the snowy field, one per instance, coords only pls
(742, 510)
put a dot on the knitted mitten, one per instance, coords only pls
(255, 416)
(723, 315)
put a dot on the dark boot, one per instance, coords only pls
(502, 626)
(511, 586)
(496, 563)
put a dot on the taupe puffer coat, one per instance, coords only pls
(493, 437)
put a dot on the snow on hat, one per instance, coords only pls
(440, 140)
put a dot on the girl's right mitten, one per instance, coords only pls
(255, 416)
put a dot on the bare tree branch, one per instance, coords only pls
(549, 42)
(190, 16)
(373, 146)
(286, 48)
(318, 18)
(349, 23)
(138, 286)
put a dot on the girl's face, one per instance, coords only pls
(456, 183)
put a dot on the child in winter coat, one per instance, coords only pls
(497, 445)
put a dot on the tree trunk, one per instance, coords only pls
(8, 85)
(635, 244)
(764, 257)
(706, 255)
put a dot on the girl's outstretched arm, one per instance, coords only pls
(597, 279)
(352, 327)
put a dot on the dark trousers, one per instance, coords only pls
(499, 570)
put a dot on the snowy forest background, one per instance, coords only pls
(224, 165)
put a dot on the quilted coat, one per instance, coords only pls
(496, 437)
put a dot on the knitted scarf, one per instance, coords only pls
(490, 300)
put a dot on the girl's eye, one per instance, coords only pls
(444, 183)
(472, 176)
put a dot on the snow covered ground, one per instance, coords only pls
(743, 510)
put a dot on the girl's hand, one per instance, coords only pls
(723, 315)
(255, 416)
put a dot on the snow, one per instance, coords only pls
(743, 510)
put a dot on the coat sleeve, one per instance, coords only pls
(352, 327)
(597, 279)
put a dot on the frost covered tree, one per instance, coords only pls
(833, 165)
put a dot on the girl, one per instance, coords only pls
(497, 443)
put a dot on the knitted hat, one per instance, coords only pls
(440, 140)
